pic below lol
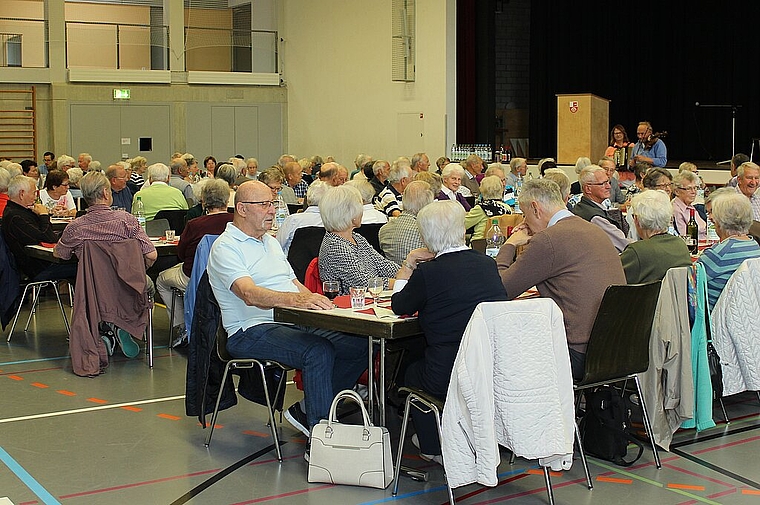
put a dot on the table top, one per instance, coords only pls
(350, 321)
(46, 253)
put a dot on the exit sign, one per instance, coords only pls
(121, 94)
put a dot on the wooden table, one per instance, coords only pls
(376, 330)
(46, 253)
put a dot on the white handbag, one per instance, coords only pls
(353, 454)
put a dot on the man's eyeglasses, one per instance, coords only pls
(605, 183)
(663, 185)
(688, 188)
(265, 204)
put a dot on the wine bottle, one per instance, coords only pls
(692, 233)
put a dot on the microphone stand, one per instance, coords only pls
(733, 119)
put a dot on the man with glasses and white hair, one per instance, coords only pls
(748, 179)
(594, 205)
(574, 277)
(250, 275)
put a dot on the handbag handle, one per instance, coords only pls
(348, 394)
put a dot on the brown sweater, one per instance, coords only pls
(571, 262)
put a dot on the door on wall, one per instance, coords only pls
(111, 132)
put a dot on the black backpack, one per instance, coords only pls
(605, 427)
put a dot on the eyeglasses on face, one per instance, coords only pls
(605, 183)
(663, 185)
(688, 188)
(265, 204)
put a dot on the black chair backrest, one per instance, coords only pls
(157, 227)
(176, 218)
(294, 208)
(221, 342)
(304, 248)
(371, 232)
(470, 200)
(754, 230)
(478, 244)
(619, 342)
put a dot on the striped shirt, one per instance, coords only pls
(722, 260)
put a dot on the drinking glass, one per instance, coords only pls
(330, 289)
(357, 296)
(375, 287)
(170, 235)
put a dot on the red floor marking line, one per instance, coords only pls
(751, 491)
(169, 417)
(484, 489)
(614, 480)
(66, 393)
(529, 492)
(711, 496)
(136, 484)
(256, 433)
(673, 485)
(15, 377)
(40, 385)
(96, 400)
(31, 370)
(536, 471)
(694, 474)
(731, 444)
(132, 409)
(284, 495)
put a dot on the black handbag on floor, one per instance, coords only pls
(605, 427)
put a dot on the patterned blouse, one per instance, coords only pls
(352, 264)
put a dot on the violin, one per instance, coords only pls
(654, 137)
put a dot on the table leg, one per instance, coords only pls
(381, 385)
(371, 380)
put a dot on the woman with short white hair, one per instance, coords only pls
(491, 191)
(686, 185)
(658, 251)
(346, 256)
(444, 290)
(732, 214)
(452, 178)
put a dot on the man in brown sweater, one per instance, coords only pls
(568, 259)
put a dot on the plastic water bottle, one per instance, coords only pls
(139, 212)
(712, 235)
(494, 239)
(280, 211)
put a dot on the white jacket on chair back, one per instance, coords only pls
(511, 385)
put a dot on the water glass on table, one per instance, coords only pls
(170, 235)
(330, 289)
(357, 294)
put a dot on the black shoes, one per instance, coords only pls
(297, 418)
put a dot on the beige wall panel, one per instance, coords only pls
(206, 49)
(341, 100)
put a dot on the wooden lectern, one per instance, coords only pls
(582, 127)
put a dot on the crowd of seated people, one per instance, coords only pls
(424, 257)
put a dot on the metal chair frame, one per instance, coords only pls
(243, 364)
(36, 289)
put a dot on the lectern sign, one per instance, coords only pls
(574, 106)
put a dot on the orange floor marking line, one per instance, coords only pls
(15, 377)
(536, 471)
(601, 478)
(750, 491)
(96, 400)
(170, 417)
(686, 486)
(132, 409)
(66, 393)
(216, 426)
(40, 385)
(256, 433)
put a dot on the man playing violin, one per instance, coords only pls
(649, 149)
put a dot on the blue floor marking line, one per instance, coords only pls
(27, 479)
(432, 490)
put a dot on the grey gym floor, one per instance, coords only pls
(124, 438)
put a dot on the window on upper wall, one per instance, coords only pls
(23, 34)
(403, 40)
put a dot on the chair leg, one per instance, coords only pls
(171, 318)
(723, 409)
(549, 489)
(216, 407)
(589, 483)
(402, 438)
(647, 424)
(60, 306)
(440, 438)
(36, 290)
(18, 311)
(149, 337)
(512, 458)
(272, 424)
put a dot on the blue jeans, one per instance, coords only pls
(330, 361)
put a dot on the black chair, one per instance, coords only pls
(175, 217)
(157, 227)
(479, 244)
(304, 248)
(618, 348)
(294, 208)
(371, 232)
(233, 364)
(470, 200)
(754, 230)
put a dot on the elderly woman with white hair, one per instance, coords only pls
(452, 180)
(309, 217)
(491, 205)
(732, 214)
(346, 256)
(658, 251)
(370, 215)
(444, 291)
(686, 185)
